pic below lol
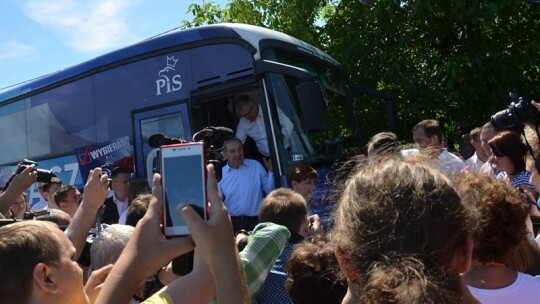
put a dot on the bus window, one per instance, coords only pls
(13, 131)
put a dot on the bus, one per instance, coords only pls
(178, 83)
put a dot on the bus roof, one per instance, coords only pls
(176, 38)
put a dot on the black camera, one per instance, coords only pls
(43, 176)
(519, 112)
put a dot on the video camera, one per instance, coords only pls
(28, 215)
(213, 137)
(518, 113)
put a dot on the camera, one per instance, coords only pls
(519, 112)
(43, 176)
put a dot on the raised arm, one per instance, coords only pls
(18, 185)
(95, 192)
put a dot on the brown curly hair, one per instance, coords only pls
(500, 214)
(313, 274)
(400, 223)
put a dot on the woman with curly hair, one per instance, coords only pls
(402, 235)
(501, 215)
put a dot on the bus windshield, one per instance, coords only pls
(299, 145)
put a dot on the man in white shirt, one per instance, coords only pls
(47, 192)
(428, 136)
(475, 162)
(242, 185)
(251, 124)
(118, 202)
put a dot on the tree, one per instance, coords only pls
(451, 60)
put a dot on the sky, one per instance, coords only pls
(38, 37)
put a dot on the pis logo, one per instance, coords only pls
(168, 82)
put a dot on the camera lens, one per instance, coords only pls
(504, 119)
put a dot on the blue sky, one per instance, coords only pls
(38, 37)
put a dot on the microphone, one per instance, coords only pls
(159, 139)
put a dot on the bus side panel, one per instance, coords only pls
(219, 63)
(142, 84)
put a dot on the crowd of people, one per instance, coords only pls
(410, 224)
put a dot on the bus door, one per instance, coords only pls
(172, 120)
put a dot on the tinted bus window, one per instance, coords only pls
(13, 132)
(61, 119)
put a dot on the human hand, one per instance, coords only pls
(95, 282)
(212, 237)
(315, 227)
(149, 238)
(268, 164)
(23, 180)
(96, 189)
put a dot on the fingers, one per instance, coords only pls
(98, 276)
(157, 188)
(192, 219)
(536, 105)
(211, 186)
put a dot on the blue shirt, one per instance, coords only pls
(273, 289)
(242, 188)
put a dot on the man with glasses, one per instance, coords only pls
(118, 202)
(251, 124)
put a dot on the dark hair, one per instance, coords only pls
(313, 274)
(284, 207)
(136, 187)
(398, 226)
(475, 134)
(431, 127)
(300, 172)
(508, 143)
(22, 246)
(61, 194)
(500, 213)
(384, 143)
(119, 170)
(53, 181)
(242, 101)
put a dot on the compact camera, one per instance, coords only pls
(43, 176)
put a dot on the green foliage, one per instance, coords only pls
(451, 60)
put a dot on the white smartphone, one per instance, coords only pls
(183, 177)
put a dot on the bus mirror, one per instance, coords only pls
(313, 105)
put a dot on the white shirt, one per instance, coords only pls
(257, 130)
(474, 163)
(524, 290)
(41, 205)
(242, 188)
(448, 163)
(121, 206)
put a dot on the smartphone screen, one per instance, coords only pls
(183, 180)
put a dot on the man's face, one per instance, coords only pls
(71, 202)
(52, 190)
(70, 278)
(120, 185)
(485, 136)
(250, 111)
(423, 141)
(234, 152)
(305, 188)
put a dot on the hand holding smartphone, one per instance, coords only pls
(183, 175)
